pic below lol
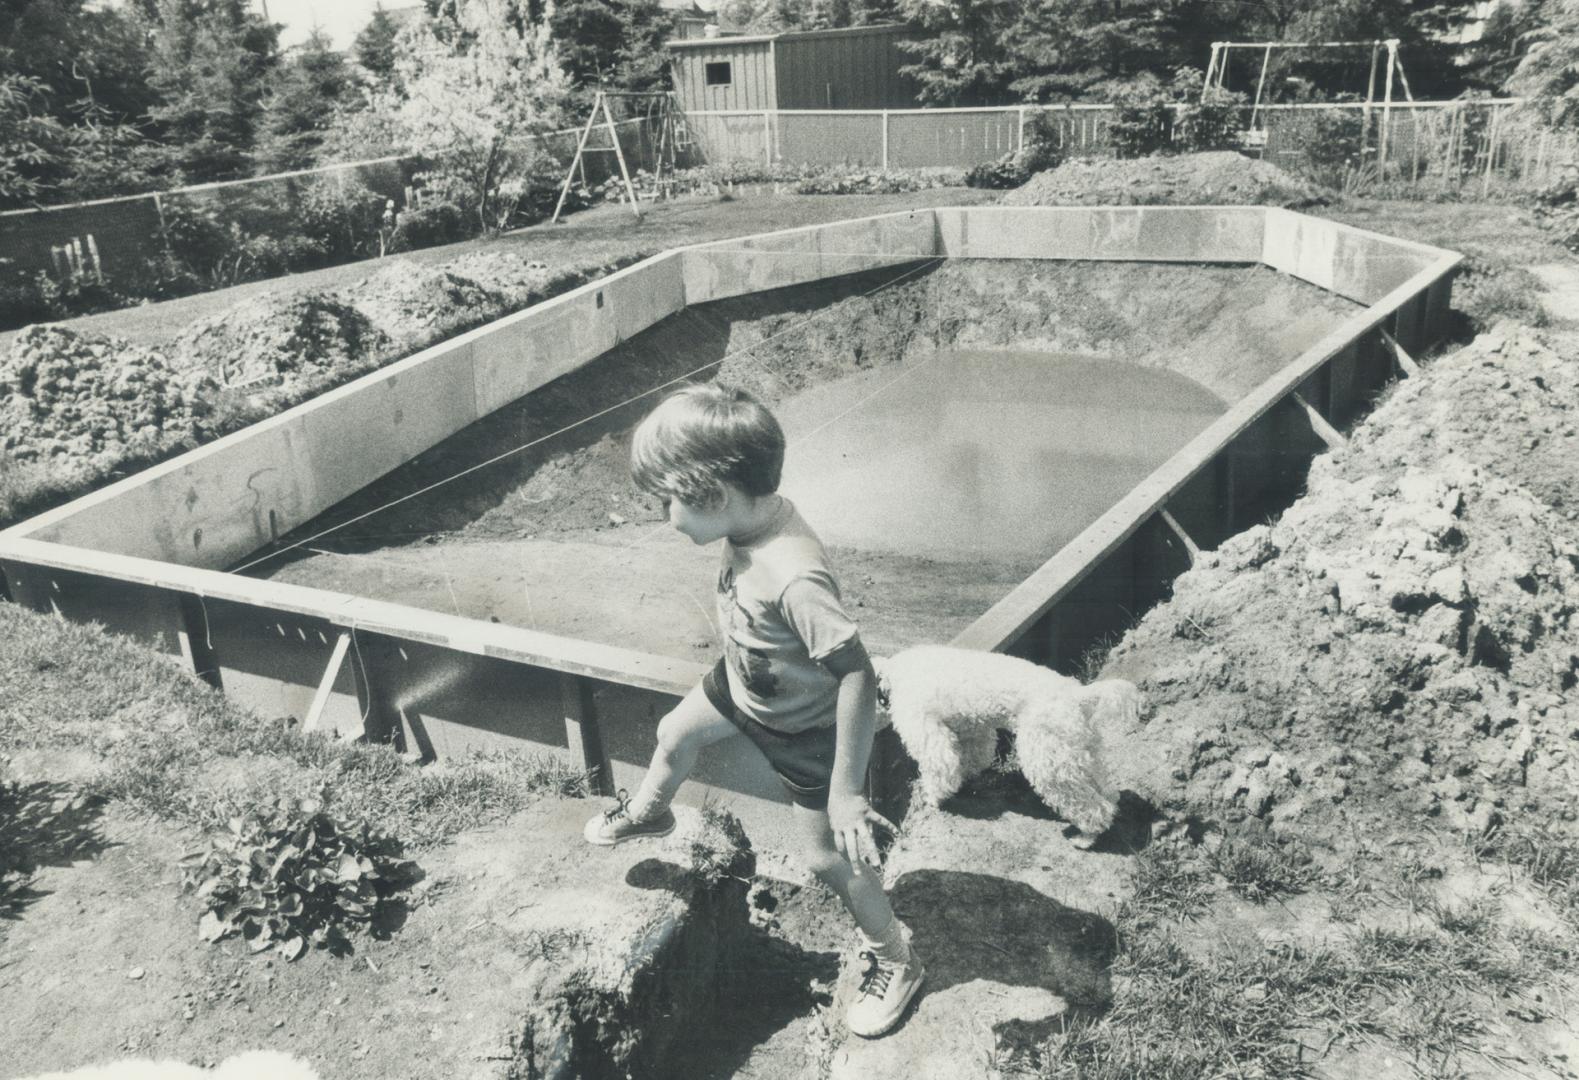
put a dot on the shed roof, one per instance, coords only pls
(793, 35)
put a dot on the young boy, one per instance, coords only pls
(794, 678)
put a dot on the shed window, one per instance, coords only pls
(719, 74)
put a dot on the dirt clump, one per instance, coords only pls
(1400, 645)
(69, 398)
(1212, 178)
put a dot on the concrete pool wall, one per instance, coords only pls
(146, 555)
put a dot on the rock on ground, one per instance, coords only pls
(1400, 646)
(1213, 178)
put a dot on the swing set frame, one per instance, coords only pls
(1217, 74)
(660, 105)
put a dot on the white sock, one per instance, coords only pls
(647, 803)
(890, 944)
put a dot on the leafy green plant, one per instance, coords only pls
(292, 875)
(1005, 172)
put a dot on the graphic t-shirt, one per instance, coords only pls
(780, 614)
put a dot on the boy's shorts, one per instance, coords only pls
(803, 761)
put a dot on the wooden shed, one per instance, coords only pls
(855, 68)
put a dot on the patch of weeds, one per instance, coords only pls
(1167, 882)
(1488, 293)
(1179, 1016)
(1257, 867)
(291, 875)
(1548, 854)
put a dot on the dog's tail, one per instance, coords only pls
(1110, 702)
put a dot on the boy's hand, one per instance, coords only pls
(851, 817)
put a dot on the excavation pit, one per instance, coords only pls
(994, 321)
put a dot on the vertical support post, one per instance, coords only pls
(1019, 134)
(197, 641)
(619, 155)
(1211, 69)
(1227, 494)
(1491, 150)
(581, 731)
(885, 140)
(767, 138)
(1387, 110)
(1370, 97)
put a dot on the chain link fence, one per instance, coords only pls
(115, 240)
(1410, 148)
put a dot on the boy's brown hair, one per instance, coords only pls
(705, 435)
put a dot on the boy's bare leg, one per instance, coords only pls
(861, 891)
(682, 733)
(895, 973)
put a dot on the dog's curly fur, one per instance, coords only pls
(947, 705)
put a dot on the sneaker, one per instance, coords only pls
(616, 824)
(885, 992)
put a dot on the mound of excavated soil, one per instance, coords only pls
(1214, 178)
(275, 337)
(68, 398)
(413, 305)
(1401, 645)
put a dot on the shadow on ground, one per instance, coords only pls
(43, 824)
(974, 926)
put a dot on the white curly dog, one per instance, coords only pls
(947, 705)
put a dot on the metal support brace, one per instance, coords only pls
(581, 732)
(331, 675)
(1184, 537)
(196, 640)
(1405, 361)
(1318, 423)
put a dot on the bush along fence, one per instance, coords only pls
(104, 254)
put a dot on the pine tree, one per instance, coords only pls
(307, 87)
(960, 56)
(374, 48)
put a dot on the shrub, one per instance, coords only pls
(290, 876)
(1042, 149)
(22, 299)
(1142, 123)
(430, 224)
(1006, 172)
(342, 217)
(1212, 124)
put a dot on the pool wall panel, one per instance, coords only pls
(728, 268)
(1128, 234)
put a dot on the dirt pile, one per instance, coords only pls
(1401, 645)
(274, 338)
(69, 398)
(413, 305)
(1214, 178)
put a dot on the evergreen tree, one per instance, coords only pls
(1064, 50)
(1548, 72)
(374, 47)
(961, 55)
(307, 87)
(615, 44)
(210, 63)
